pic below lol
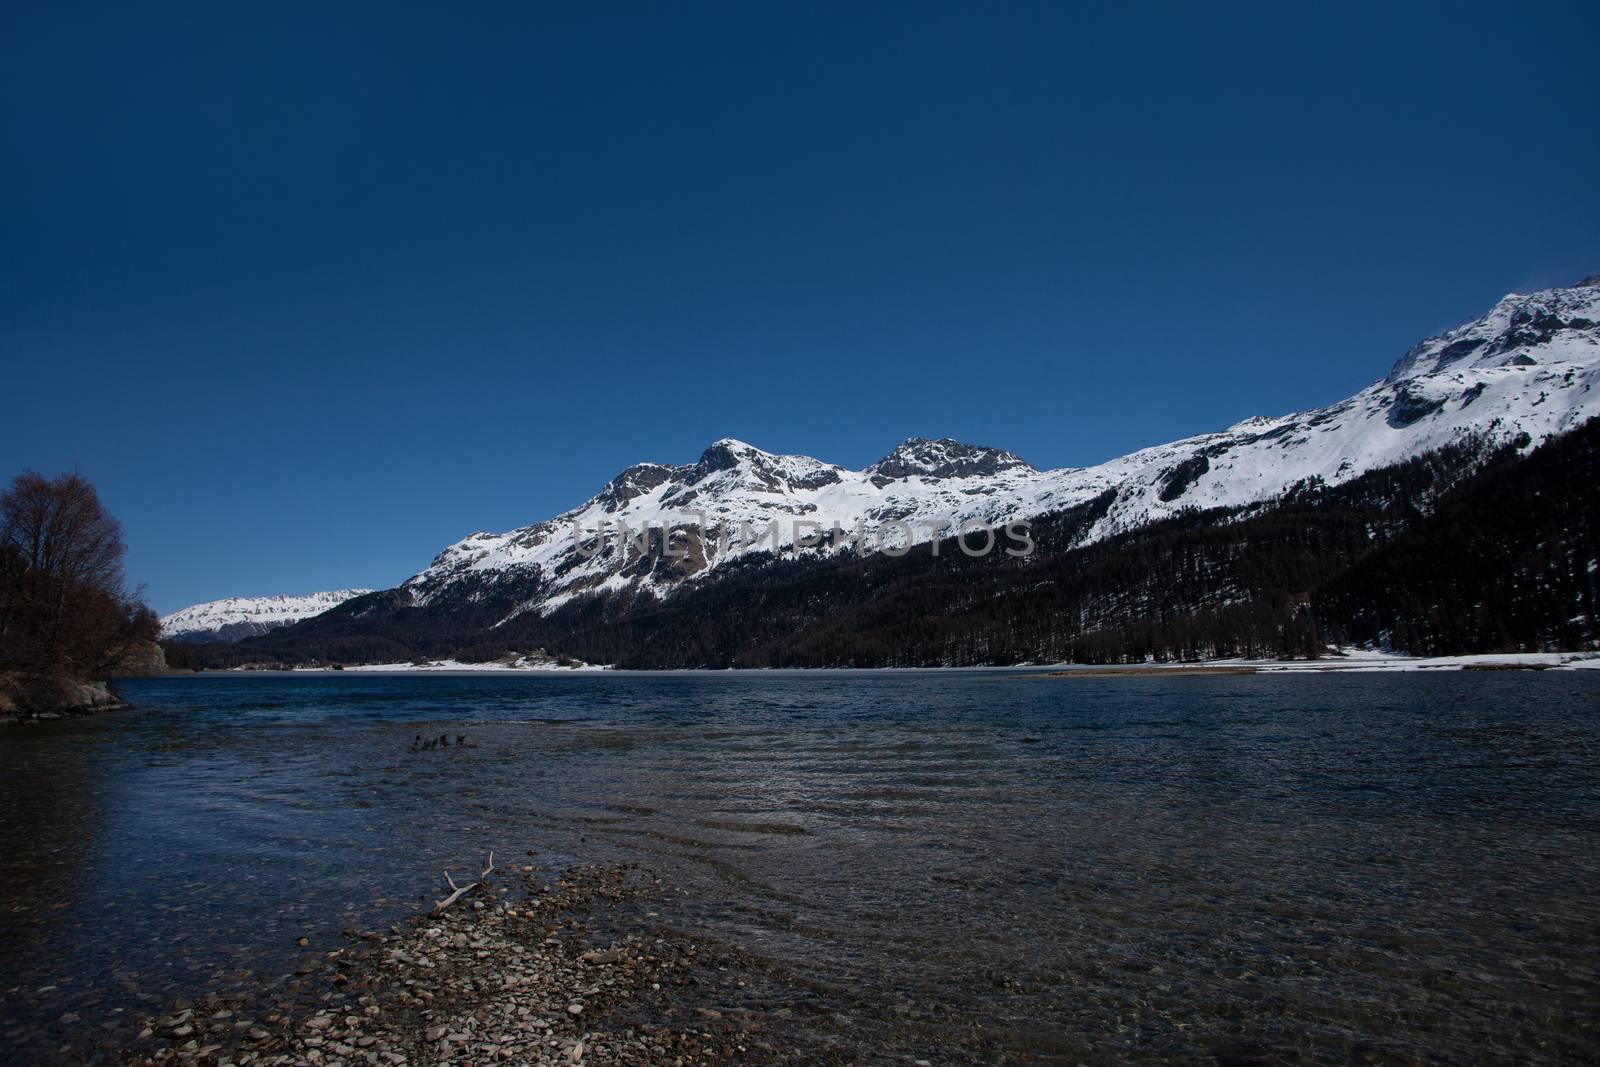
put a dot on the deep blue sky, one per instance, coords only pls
(310, 293)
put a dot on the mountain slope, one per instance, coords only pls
(237, 617)
(1511, 561)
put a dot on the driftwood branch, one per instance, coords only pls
(459, 891)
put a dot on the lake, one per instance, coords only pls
(1252, 869)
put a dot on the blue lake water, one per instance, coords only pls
(1307, 868)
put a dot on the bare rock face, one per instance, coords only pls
(143, 660)
(944, 458)
(27, 697)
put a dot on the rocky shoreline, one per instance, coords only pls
(517, 971)
(32, 698)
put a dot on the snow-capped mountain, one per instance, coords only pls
(236, 617)
(1530, 366)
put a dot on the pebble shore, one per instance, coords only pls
(518, 971)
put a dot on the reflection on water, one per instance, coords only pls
(1303, 868)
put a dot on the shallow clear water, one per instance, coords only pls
(1306, 868)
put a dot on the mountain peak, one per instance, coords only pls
(944, 458)
(726, 453)
(1551, 326)
(637, 480)
(731, 463)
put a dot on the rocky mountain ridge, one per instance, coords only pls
(1525, 370)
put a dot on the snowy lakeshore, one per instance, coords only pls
(1360, 661)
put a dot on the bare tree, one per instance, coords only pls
(63, 601)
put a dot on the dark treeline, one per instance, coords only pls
(1468, 549)
(1508, 563)
(64, 608)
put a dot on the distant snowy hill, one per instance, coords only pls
(238, 617)
(1528, 367)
